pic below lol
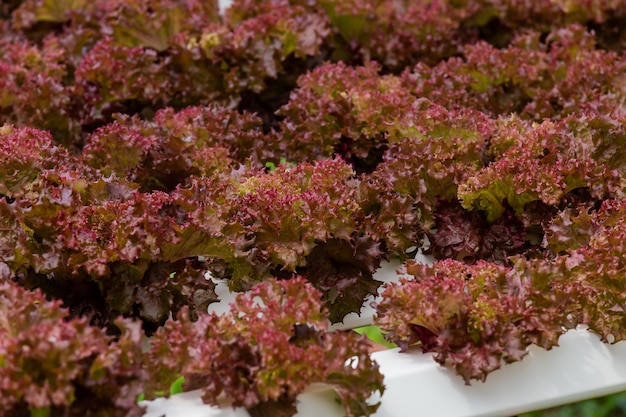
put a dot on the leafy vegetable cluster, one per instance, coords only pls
(51, 364)
(264, 368)
(288, 147)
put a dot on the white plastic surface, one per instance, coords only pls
(386, 273)
(224, 4)
(581, 367)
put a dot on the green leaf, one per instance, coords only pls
(375, 334)
(40, 412)
(177, 386)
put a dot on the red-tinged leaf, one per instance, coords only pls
(344, 110)
(261, 44)
(343, 271)
(119, 149)
(32, 12)
(51, 361)
(165, 152)
(153, 23)
(209, 127)
(440, 150)
(268, 350)
(396, 33)
(113, 78)
(537, 80)
(474, 318)
(32, 89)
(544, 164)
(466, 236)
(272, 223)
(571, 229)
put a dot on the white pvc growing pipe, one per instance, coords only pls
(581, 367)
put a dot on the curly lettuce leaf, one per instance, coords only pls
(65, 366)
(473, 317)
(438, 151)
(543, 163)
(267, 350)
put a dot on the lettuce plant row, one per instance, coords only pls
(289, 147)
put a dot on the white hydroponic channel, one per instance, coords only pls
(582, 367)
